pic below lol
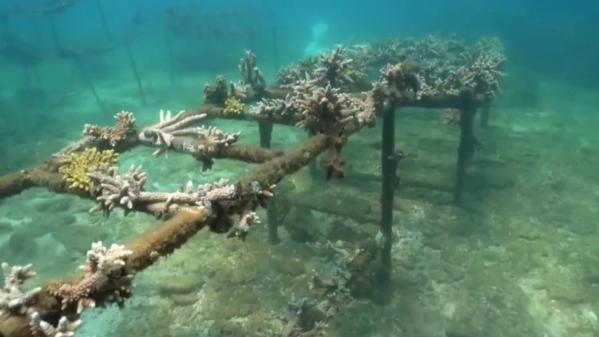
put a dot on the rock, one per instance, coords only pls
(290, 267)
(181, 285)
(183, 299)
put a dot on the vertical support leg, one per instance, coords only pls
(466, 148)
(484, 115)
(265, 130)
(389, 173)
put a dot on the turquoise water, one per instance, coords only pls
(517, 257)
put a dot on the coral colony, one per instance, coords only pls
(324, 96)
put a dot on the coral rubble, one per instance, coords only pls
(76, 167)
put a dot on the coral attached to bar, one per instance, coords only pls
(337, 70)
(318, 109)
(115, 189)
(12, 298)
(15, 301)
(172, 133)
(218, 94)
(76, 167)
(105, 270)
(233, 106)
(124, 127)
(251, 74)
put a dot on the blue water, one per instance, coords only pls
(517, 258)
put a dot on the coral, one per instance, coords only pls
(163, 133)
(65, 328)
(233, 106)
(76, 167)
(126, 191)
(12, 298)
(117, 190)
(335, 69)
(201, 142)
(105, 269)
(251, 74)
(318, 109)
(124, 126)
(297, 72)
(243, 226)
(218, 94)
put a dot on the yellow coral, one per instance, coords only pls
(233, 106)
(75, 167)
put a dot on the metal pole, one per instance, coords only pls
(389, 172)
(265, 130)
(140, 87)
(467, 145)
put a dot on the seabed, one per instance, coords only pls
(516, 256)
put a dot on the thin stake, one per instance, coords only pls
(104, 21)
(265, 130)
(133, 64)
(169, 55)
(54, 32)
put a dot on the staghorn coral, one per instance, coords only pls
(318, 109)
(335, 69)
(233, 106)
(115, 189)
(12, 298)
(251, 74)
(172, 133)
(105, 269)
(41, 328)
(163, 133)
(76, 167)
(126, 190)
(297, 72)
(15, 301)
(218, 94)
(124, 126)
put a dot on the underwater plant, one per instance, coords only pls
(75, 168)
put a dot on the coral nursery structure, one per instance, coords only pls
(328, 97)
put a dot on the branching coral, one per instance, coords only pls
(65, 328)
(76, 167)
(15, 301)
(337, 70)
(164, 132)
(251, 74)
(12, 298)
(125, 126)
(218, 94)
(126, 190)
(105, 269)
(318, 109)
(173, 133)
